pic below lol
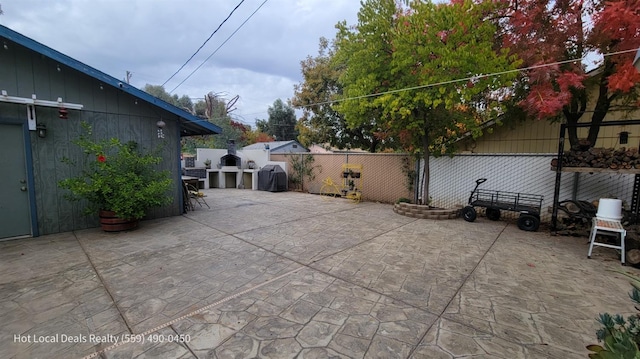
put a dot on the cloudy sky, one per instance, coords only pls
(153, 38)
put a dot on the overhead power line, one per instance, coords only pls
(204, 43)
(475, 77)
(216, 50)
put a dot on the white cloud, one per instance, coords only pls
(152, 38)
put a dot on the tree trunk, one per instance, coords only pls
(602, 104)
(572, 132)
(572, 113)
(373, 146)
(425, 171)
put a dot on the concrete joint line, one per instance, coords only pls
(104, 284)
(356, 245)
(271, 225)
(209, 306)
(186, 344)
(458, 291)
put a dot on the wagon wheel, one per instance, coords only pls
(529, 223)
(469, 214)
(493, 214)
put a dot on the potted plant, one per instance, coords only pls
(117, 181)
(207, 163)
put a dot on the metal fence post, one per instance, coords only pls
(556, 190)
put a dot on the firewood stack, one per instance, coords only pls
(633, 245)
(615, 159)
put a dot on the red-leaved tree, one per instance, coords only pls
(555, 40)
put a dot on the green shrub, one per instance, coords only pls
(302, 168)
(116, 177)
(620, 336)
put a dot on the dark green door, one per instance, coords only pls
(15, 215)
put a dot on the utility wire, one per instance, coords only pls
(205, 42)
(475, 77)
(216, 50)
(453, 81)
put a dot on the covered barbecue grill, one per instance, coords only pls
(272, 178)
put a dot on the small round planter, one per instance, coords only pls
(110, 223)
(424, 212)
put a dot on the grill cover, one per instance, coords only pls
(272, 178)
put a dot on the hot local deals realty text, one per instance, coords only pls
(65, 338)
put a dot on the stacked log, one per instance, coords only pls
(615, 159)
(632, 244)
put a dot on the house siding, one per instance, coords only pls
(290, 149)
(541, 136)
(111, 113)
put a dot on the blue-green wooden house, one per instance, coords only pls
(35, 83)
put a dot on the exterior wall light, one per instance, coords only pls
(42, 130)
(161, 124)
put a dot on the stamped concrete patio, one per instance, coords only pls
(291, 275)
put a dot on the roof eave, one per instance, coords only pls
(190, 124)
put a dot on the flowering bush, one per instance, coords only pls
(116, 177)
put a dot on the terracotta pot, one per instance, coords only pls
(110, 223)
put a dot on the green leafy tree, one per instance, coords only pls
(200, 109)
(263, 126)
(418, 73)
(320, 122)
(281, 123)
(183, 102)
(364, 54)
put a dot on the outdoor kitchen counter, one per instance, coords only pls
(224, 177)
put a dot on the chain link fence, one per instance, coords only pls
(453, 179)
(388, 177)
(384, 178)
